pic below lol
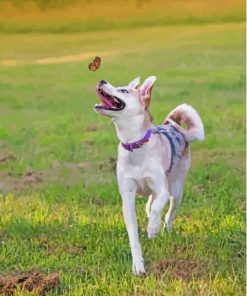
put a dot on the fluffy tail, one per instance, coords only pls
(186, 114)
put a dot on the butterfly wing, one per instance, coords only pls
(97, 62)
(92, 67)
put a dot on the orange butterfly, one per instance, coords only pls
(95, 64)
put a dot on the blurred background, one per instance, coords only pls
(90, 15)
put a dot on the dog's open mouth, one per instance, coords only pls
(109, 102)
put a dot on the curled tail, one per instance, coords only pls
(186, 114)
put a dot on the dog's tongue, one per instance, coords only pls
(106, 102)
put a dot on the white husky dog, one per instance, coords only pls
(152, 160)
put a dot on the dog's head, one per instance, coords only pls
(124, 101)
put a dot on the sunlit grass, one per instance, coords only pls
(71, 222)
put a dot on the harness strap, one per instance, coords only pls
(168, 130)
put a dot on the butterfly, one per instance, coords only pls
(95, 64)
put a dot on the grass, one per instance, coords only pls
(70, 220)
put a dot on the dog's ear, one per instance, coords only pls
(145, 91)
(134, 83)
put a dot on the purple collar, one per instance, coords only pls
(137, 144)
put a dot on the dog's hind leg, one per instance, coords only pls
(155, 213)
(176, 191)
(148, 204)
(176, 184)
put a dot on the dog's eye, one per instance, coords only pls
(124, 91)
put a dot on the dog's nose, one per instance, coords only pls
(102, 82)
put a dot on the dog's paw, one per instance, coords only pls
(138, 267)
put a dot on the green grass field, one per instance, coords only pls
(59, 204)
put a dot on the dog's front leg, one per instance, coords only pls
(128, 198)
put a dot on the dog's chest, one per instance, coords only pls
(142, 175)
(143, 166)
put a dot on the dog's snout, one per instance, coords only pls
(102, 82)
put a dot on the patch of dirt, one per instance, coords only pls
(176, 269)
(60, 59)
(9, 62)
(7, 158)
(198, 188)
(32, 281)
(29, 179)
(74, 57)
(107, 164)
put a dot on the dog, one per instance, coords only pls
(152, 160)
